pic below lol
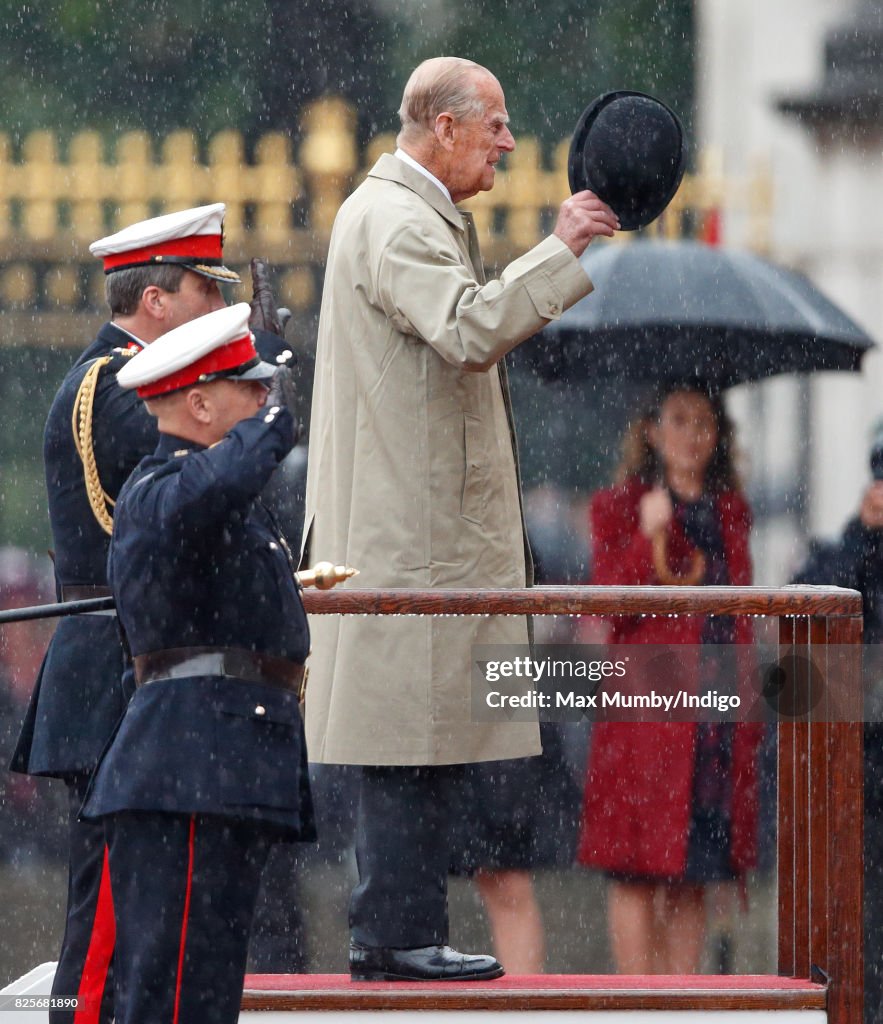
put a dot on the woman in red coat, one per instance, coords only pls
(671, 806)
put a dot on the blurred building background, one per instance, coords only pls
(794, 86)
(117, 111)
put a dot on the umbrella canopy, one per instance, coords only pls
(685, 310)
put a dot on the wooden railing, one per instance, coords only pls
(819, 802)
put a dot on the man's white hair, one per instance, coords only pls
(438, 85)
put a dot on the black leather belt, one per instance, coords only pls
(83, 592)
(230, 662)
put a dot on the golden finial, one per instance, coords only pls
(325, 575)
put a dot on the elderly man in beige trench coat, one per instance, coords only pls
(413, 479)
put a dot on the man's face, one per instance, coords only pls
(479, 142)
(197, 296)
(235, 401)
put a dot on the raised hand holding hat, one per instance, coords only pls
(628, 149)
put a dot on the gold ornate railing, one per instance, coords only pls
(57, 197)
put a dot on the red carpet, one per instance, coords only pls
(534, 983)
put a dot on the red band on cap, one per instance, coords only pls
(228, 357)
(200, 247)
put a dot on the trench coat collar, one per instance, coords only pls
(392, 169)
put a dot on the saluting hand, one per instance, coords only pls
(283, 391)
(581, 218)
(264, 314)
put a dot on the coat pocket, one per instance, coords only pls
(260, 738)
(475, 482)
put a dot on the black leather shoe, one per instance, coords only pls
(425, 963)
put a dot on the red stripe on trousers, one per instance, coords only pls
(190, 846)
(101, 943)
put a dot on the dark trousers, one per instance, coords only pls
(184, 892)
(403, 852)
(86, 956)
(278, 942)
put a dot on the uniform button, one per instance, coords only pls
(275, 409)
(269, 418)
(554, 308)
(274, 546)
(260, 710)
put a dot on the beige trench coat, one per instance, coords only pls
(412, 476)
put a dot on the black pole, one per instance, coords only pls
(52, 611)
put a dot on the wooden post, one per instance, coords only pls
(844, 756)
(820, 814)
(786, 841)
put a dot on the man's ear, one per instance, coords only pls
(153, 302)
(200, 405)
(445, 129)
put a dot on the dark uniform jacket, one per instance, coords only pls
(79, 695)
(196, 561)
(856, 561)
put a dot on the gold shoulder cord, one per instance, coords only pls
(81, 424)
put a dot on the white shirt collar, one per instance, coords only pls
(408, 159)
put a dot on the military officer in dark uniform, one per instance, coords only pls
(208, 767)
(161, 273)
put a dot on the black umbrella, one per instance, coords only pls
(685, 310)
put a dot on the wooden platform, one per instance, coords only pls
(335, 992)
(273, 998)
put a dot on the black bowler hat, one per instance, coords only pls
(628, 148)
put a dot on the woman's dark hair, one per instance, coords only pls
(640, 459)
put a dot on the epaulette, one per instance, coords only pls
(100, 501)
(119, 357)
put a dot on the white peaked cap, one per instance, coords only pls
(193, 239)
(218, 344)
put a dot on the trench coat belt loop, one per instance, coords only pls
(83, 592)
(230, 662)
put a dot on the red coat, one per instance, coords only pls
(638, 796)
